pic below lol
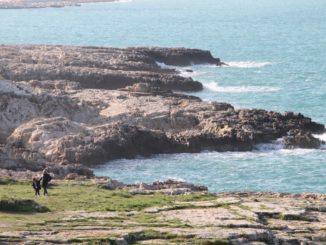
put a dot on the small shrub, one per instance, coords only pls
(7, 181)
(28, 206)
(147, 235)
(213, 242)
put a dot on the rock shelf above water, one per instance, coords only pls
(71, 107)
(103, 68)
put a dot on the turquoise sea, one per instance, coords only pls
(277, 56)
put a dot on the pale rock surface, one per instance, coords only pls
(70, 107)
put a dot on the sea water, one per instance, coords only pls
(276, 52)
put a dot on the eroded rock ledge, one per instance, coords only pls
(58, 124)
(102, 68)
(52, 115)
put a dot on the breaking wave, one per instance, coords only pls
(322, 137)
(213, 86)
(247, 64)
(185, 71)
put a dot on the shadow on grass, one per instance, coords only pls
(21, 206)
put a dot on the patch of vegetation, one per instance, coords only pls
(93, 241)
(134, 237)
(9, 239)
(197, 197)
(152, 220)
(1, 77)
(145, 218)
(297, 217)
(69, 200)
(264, 207)
(74, 196)
(213, 242)
(7, 181)
(237, 213)
(16, 205)
(242, 206)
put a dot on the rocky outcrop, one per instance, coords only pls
(62, 126)
(170, 187)
(181, 57)
(66, 125)
(103, 68)
(301, 139)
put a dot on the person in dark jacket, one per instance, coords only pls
(37, 186)
(46, 178)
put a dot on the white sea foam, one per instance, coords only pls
(165, 66)
(278, 146)
(198, 66)
(246, 64)
(322, 137)
(185, 71)
(213, 86)
(279, 149)
(269, 147)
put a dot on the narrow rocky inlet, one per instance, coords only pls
(68, 108)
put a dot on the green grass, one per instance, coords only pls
(213, 242)
(135, 237)
(16, 205)
(92, 241)
(20, 211)
(7, 181)
(264, 207)
(74, 196)
(293, 217)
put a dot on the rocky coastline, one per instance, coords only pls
(68, 108)
(34, 4)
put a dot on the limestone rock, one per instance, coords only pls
(105, 68)
(52, 115)
(301, 139)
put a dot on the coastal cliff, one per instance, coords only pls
(102, 68)
(69, 108)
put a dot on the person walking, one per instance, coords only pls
(46, 178)
(37, 186)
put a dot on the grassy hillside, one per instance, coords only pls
(85, 213)
(75, 206)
